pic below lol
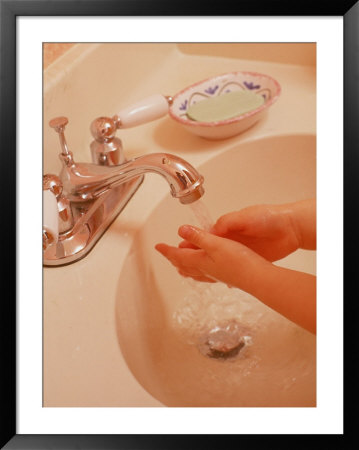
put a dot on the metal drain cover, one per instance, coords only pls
(224, 341)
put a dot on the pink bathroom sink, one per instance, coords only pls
(165, 323)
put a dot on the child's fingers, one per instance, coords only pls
(229, 222)
(199, 238)
(196, 277)
(186, 244)
(186, 259)
(167, 251)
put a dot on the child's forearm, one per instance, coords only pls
(290, 293)
(303, 215)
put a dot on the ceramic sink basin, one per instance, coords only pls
(163, 320)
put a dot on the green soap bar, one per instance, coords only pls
(224, 106)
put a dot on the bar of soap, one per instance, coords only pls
(225, 106)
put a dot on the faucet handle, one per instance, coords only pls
(103, 129)
(106, 149)
(50, 226)
(145, 110)
(53, 184)
(59, 124)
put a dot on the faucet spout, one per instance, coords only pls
(83, 181)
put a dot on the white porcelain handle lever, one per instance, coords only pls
(50, 224)
(146, 110)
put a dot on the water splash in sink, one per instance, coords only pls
(230, 346)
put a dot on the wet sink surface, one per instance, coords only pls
(163, 321)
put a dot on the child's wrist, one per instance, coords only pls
(302, 216)
(290, 211)
(259, 277)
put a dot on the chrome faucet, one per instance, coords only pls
(90, 196)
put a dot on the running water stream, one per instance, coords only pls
(202, 215)
(213, 313)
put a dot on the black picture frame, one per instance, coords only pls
(9, 11)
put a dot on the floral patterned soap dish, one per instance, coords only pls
(259, 84)
(177, 106)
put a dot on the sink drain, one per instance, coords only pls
(224, 341)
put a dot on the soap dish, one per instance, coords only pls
(260, 84)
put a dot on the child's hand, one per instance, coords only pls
(213, 258)
(272, 231)
(269, 230)
(207, 257)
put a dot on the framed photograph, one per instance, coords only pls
(248, 112)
